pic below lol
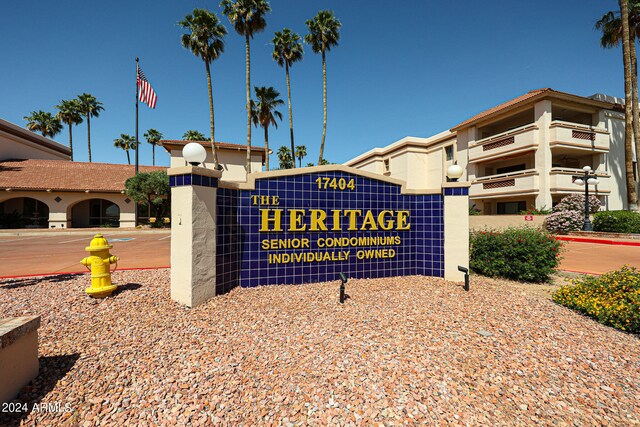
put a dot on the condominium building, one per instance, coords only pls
(520, 154)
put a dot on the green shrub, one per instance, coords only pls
(535, 211)
(612, 299)
(518, 253)
(617, 221)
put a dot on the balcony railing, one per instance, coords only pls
(573, 135)
(561, 181)
(522, 182)
(516, 140)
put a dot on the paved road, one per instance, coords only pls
(61, 253)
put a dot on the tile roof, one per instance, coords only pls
(179, 142)
(528, 97)
(66, 176)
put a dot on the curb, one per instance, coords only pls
(60, 273)
(597, 241)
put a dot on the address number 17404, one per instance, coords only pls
(335, 183)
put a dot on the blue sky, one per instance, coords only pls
(402, 68)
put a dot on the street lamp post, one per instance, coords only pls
(589, 177)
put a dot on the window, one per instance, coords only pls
(511, 208)
(513, 168)
(448, 151)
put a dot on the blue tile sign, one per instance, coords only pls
(309, 227)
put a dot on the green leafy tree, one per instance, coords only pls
(125, 142)
(152, 189)
(287, 49)
(205, 39)
(193, 135)
(43, 122)
(301, 153)
(264, 113)
(285, 158)
(247, 17)
(90, 107)
(69, 112)
(324, 32)
(153, 136)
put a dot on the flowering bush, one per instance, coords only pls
(575, 202)
(517, 253)
(617, 221)
(568, 215)
(563, 221)
(612, 299)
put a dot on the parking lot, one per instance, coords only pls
(43, 253)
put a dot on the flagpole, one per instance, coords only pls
(137, 143)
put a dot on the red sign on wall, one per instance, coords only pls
(528, 217)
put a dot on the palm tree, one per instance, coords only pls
(247, 17)
(43, 122)
(205, 40)
(611, 27)
(125, 142)
(324, 32)
(264, 112)
(287, 49)
(193, 135)
(632, 198)
(69, 113)
(301, 153)
(90, 107)
(284, 157)
(153, 136)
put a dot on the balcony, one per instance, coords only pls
(518, 140)
(561, 182)
(573, 135)
(518, 183)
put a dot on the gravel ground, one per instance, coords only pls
(400, 351)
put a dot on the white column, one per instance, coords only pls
(542, 113)
(193, 234)
(456, 229)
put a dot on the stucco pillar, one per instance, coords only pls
(456, 229)
(542, 114)
(193, 234)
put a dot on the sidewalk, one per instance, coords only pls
(585, 253)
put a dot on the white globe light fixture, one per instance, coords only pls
(194, 153)
(586, 168)
(454, 172)
(579, 181)
(593, 181)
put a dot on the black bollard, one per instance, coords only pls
(466, 277)
(342, 288)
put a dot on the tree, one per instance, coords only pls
(287, 49)
(247, 17)
(264, 112)
(70, 113)
(43, 122)
(611, 26)
(324, 32)
(205, 40)
(90, 107)
(301, 153)
(151, 188)
(632, 198)
(193, 135)
(284, 157)
(125, 142)
(153, 136)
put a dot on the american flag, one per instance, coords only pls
(145, 91)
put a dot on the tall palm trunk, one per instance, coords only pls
(211, 120)
(266, 145)
(324, 97)
(70, 140)
(89, 135)
(293, 150)
(153, 154)
(634, 97)
(628, 107)
(128, 158)
(248, 73)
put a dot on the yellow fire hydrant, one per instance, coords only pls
(99, 264)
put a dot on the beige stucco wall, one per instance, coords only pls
(60, 211)
(456, 233)
(498, 222)
(232, 162)
(14, 147)
(18, 354)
